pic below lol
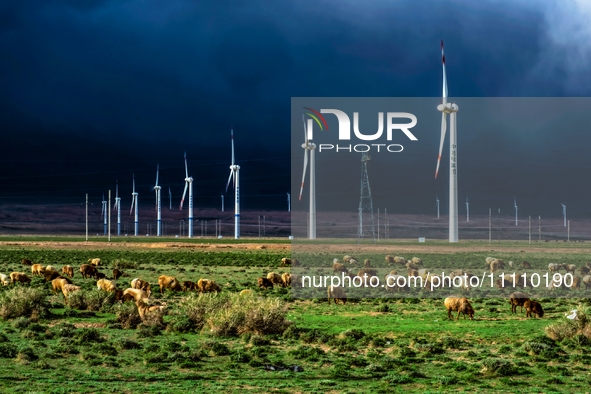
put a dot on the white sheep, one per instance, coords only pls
(5, 279)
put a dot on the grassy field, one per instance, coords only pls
(368, 345)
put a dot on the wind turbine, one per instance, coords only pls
(309, 146)
(169, 199)
(451, 109)
(134, 203)
(222, 203)
(515, 208)
(104, 214)
(157, 189)
(117, 207)
(234, 168)
(437, 203)
(189, 185)
(467, 210)
(288, 202)
(564, 213)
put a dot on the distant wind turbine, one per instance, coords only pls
(516, 210)
(134, 203)
(157, 189)
(564, 213)
(104, 213)
(288, 202)
(169, 199)
(188, 185)
(234, 169)
(467, 210)
(117, 208)
(309, 148)
(437, 203)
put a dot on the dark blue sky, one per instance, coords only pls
(91, 91)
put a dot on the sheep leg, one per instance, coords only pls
(458, 317)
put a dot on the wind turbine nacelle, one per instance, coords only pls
(448, 107)
(309, 145)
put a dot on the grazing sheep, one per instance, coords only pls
(296, 281)
(525, 265)
(517, 299)
(150, 312)
(287, 262)
(266, 283)
(495, 265)
(411, 266)
(96, 262)
(68, 289)
(353, 261)
(587, 281)
(392, 283)
(554, 267)
(286, 279)
(246, 293)
(58, 283)
(208, 286)
(50, 275)
(106, 285)
(188, 285)
(99, 275)
(19, 277)
(275, 278)
(389, 259)
(338, 267)
(584, 270)
(168, 282)
(417, 261)
(5, 279)
(570, 268)
(118, 295)
(510, 264)
(50, 268)
(68, 270)
(27, 262)
(37, 270)
(367, 263)
(117, 274)
(134, 294)
(87, 271)
(338, 293)
(411, 273)
(533, 307)
(347, 259)
(460, 305)
(576, 283)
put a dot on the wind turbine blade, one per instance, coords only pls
(443, 130)
(186, 168)
(304, 173)
(132, 204)
(230, 177)
(305, 131)
(157, 171)
(133, 183)
(444, 93)
(184, 193)
(232, 134)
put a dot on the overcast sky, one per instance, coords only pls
(93, 91)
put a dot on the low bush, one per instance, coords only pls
(23, 301)
(127, 315)
(499, 366)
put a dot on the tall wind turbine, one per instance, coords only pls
(451, 109)
(309, 146)
(515, 209)
(437, 203)
(104, 214)
(288, 202)
(188, 185)
(169, 199)
(564, 213)
(134, 203)
(467, 210)
(117, 207)
(157, 189)
(234, 168)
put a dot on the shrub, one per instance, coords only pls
(98, 300)
(104, 349)
(355, 334)
(23, 301)
(567, 328)
(125, 264)
(181, 324)
(450, 342)
(7, 350)
(64, 330)
(499, 366)
(146, 331)
(85, 336)
(127, 315)
(217, 348)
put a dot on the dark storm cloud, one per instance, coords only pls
(94, 90)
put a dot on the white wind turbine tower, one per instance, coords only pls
(451, 109)
(117, 207)
(157, 189)
(288, 202)
(564, 213)
(134, 203)
(234, 168)
(169, 199)
(189, 185)
(309, 146)
(467, 210)
(515, 208)
(437, 203)
(104, 214)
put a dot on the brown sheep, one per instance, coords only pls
(37, 270)
(367, 263)
(208, 286)
(570, 268)
(87, 270)
(50, 275)
(517, 299)
(461, 305)
(266, 283)
(533, 307)
(338, 267)
(552, 267)
(338, 293)
(286, 279)
(96, 262)
(27, 262)
(188, 285)
(137, 283)
(411, 266)
(410, 273)
(99, 275)
(68, 271)
(68, 289)
(106, 285)
(389, 259)
(275, 278)
(168, 282)
(587, 281)
(296, 281)
(117, 274)
(134, 294)
(19, 277)
(584, 270)
(118, 295)
(525, 265)
(58, 283)
(287, 262)
(150, 312)
(576, 283)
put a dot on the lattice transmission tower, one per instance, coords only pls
(366, 222)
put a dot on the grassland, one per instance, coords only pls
(369, 345)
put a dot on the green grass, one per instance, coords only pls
(357, 348)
